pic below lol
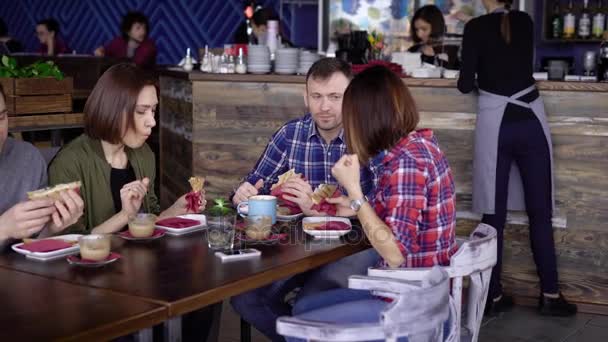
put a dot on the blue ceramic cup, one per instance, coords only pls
(259, 205)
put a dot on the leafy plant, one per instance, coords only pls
(9, 68)
(376, 41)
(220, 208)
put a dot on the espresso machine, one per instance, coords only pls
(602, 64)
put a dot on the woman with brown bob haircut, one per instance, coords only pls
(112, 160)
(410, 218)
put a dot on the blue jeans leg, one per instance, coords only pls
(344, 306)
(261, 307)
(327, 298)
(335, 274)
(355, 311)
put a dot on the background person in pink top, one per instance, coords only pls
(133, 43)
(47, 31)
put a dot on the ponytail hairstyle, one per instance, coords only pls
(505, 26)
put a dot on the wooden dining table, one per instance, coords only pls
(182, 274)
(35, 308)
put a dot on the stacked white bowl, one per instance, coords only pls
(286, 61)
(307, 59)
(258, 59)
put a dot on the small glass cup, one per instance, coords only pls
(142, 225)
(220, 234)
(95, 247)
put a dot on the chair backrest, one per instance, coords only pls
(475, 258)
(419, 311)
(475, 254)
(420, 314)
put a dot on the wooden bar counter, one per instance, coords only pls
(218, 125)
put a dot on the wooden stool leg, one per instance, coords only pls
(245, 331)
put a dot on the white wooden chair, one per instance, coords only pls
(475, 258)
(418, 312)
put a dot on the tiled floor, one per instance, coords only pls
(520, 325)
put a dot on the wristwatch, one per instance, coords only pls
(355, 205)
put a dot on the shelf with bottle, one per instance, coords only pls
(574, 21)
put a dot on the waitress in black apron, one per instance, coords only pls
(512, 167)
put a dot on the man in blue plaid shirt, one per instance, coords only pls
(311, 145)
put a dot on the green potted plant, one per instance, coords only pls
(9, 69)
(221, 219)
(221, 207)
(36, 88)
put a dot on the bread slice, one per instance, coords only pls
(323, 191)
(197, 183)
(53, 191)
(285, 177)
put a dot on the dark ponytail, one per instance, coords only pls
(505, 26)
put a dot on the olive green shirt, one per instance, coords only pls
(83, 160)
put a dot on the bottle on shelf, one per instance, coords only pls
(584, 22)
(602, 67)
(188, 65)
(557, 24)
(569, 22)
(599, 21)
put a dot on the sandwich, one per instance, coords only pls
(53, 191)
(285, 177)
(194, 197)
(286, 207)
(322, 192)
(319, 199)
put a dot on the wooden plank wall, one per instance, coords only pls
(175, 139)
(233, 123)
(234, 120)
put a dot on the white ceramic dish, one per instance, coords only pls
(182, 231)
(326, 234)
(46, 256)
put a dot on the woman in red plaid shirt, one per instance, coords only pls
(411, 217)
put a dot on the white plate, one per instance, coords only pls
(326, 234)
(45, 256)
(182, 231)
(281, 218)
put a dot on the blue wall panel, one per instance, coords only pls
(175, 24)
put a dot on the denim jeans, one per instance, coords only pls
(340, 306)
(344, 306)
(261, 307)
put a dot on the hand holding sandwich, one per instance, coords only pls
(193, 202)
(68, 209)
(55, 208)
(299, 191)
(25, 218)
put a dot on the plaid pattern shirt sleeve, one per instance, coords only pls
(272, 163)
(416, 199)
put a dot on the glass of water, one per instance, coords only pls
(220, 232)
